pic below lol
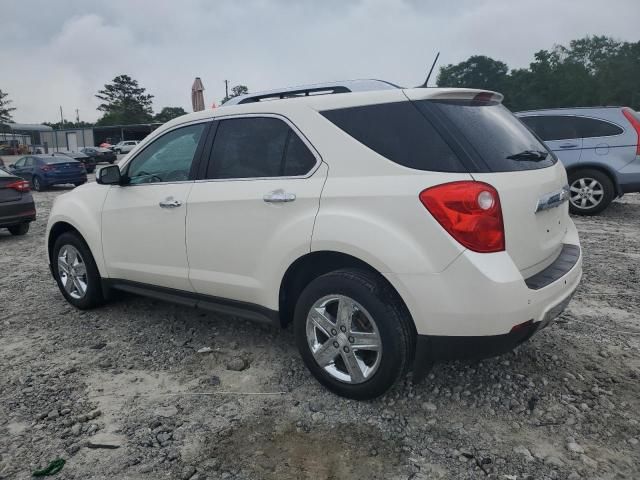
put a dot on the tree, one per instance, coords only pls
(124, 102)
(591, 71)
(477, 71)
(67, 125)
(235, 92)
(169, 113)
(5, 109)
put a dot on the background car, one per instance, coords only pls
(17, 209)
(100, 154)
(599, 147)
(125, 146)
(42, 171)
(88, 162)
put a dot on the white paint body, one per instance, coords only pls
(227, 242)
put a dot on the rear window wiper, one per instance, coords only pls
(532, 155)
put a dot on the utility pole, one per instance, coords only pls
(226, 89)
(61, 118)
(77, 116)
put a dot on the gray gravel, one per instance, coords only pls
(121, 392)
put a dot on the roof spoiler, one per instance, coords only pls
(469, 94)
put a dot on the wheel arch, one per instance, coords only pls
(609, 172)
(310, 266)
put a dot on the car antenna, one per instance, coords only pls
(424, 85)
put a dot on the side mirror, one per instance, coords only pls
(12, 166)
(109, 175)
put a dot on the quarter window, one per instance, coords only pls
(258, 147)
(168, 158)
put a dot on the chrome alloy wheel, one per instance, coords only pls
(72, 271)
(586, 193)
(344, 339)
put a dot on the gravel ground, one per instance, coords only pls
(133, 376)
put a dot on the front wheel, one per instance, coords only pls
(75, 271)
(354, 333)
(591, 191)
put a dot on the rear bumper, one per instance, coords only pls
(471, 308)
(15, 213)
(59, 180)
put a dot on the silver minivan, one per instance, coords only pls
(599, 147)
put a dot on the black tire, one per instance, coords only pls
(590, 174)
(392, 319)
(18, 230)
(94, 295)
(36, 183)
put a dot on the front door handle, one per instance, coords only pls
(169, 202)
(569, 145)
(279, 196)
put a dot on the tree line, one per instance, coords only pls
(591, 71)
(124, 102)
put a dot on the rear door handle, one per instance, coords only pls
(169, 202)
(569, 145)
(279, 196)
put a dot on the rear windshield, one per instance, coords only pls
(445, 136)
(490, 132)
(61, 159)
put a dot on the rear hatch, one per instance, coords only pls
(498, 149)
(8, 194)
(65, 167)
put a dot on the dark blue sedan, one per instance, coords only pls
(42, 171)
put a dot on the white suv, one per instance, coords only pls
(125, 146)
(392, 228)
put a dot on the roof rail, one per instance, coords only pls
(315, 89)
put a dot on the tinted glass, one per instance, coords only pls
(59, 159)
(256, 148)
(298, 158)
(491, 132)
(398, 132)
(29, 162)
(168, 158)
(565, 127)
(590, 127)
(20, 162)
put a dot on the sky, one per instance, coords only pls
(61, 53)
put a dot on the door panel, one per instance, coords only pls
(142, 241)
(569, 151)
(143, 222)
(239, 244)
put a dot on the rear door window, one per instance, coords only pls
(258, 147)
(567, 127)
(400, 133)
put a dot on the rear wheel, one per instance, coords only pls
(36, 183)
(353, 333)
(75, 271)
(591, 191)
(18, 230)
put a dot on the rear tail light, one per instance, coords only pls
(20, 186)
(635, 123)
(470, 212)
(47, 168)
